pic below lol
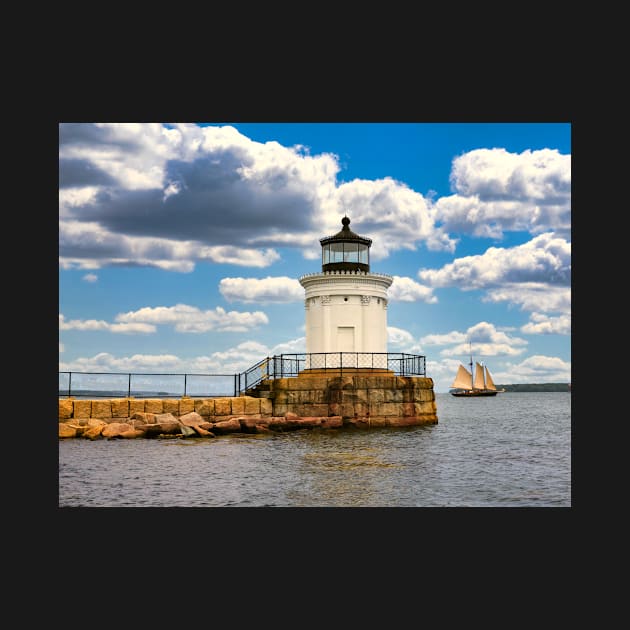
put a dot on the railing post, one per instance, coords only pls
(129, 387)
(69, 384)
(185, 385)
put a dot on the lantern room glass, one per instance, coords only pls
(345, 252)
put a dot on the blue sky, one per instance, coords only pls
(180, 245)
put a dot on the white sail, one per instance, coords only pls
(479, 382)
(489, 382)
(463, 378)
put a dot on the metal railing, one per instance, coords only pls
(114, 385)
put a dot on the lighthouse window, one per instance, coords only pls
(325, 254)
(350, 252)
(336, 252)
(363, 254)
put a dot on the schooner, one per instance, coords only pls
(481, 385)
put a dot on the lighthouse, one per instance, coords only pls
(346, 306)
(346, 376)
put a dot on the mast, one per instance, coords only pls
(472, 373)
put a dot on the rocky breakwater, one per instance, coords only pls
(185, 417)
(284, 404)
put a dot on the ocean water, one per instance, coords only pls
(510, 450)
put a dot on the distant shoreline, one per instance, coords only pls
(535, 387)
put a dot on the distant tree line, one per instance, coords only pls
(535, 387)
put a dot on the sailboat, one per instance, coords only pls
(481, 385)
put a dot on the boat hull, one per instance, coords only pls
(475, 393)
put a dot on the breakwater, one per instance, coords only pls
(311, 400)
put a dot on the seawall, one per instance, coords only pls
(304, 402)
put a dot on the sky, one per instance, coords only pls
(181, 245)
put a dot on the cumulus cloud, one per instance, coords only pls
(261, 290)
(392, 214)
(541, 324)
(536, 275)
(445, 339)
(241, 256)
(485, 338)
(203, 187)
(533, 296)
(106, 362)
(90, 277)
(81, 241)
(545, 259)
(147, 194)
(99, 324)
(399, 337)
(184, 318)
(190, 319)
(230, 361)
(405, 289)
(294, 346)
(496, 191)
(536, 369)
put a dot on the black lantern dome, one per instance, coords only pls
(345, 251)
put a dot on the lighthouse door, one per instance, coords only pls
(345, 338)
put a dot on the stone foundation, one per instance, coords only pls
(367, 398)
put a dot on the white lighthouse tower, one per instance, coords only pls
(346, 306)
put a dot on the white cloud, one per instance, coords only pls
(295, 346)
(399, 337)
(106, 362)
(391, 213)
(77, 239)
(405, 289)
(190, 319)
(533, 296)
(184, 318)
(540, 324)
(242, 256)
(484, 338)
(546, 258)
(536, 275)
(211, 187)
(536, 369)
(90, 277)
(99, 324)
(131, 193)
(138, 190)
(261, 290)
(231, 361)
(498, 191)
(445, 339)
